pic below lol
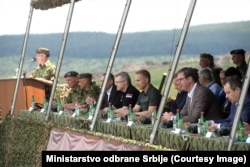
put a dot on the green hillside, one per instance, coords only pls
(90, 51)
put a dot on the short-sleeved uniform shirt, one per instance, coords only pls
(243, 69)
(150, 98)
(130, 96)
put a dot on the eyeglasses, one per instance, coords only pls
(119, 81)
(180, 79)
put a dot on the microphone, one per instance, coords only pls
(32, 60)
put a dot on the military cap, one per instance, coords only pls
(71, 74)
(206, 55)
(43, 50)
(238, 52)
(85, 75)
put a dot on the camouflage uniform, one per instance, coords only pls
(93, 91)
(244, 66)
(243, 69)
(47, 71)
(74, 95)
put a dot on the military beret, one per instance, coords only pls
(43, 50)
(238, 52)
(85, 75)
(71, 74)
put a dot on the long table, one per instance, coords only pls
(165, 137)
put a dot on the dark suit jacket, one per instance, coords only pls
(179, 101)
(245, 114)
(115, 98)
(203, 100)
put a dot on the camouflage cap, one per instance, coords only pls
(71, 74)
(43, 50)
(85, 75)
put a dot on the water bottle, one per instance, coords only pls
(59, 106)
(33, 103)
(131, 114)
(248, 139)
(203, 129)
(173, 118)
(240, 132)
(45, 105)
(177, 117)
(179, 120)
(154, 117)
(110, 113)
(77, 110)
(92, 109)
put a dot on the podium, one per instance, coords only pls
(27, 88)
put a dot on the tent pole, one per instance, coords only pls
(20, 69)
(175, 62)
(111, 61)
(60, 57)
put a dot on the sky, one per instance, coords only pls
(105, 15)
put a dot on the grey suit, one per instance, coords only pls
(203, 100)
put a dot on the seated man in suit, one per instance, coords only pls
(232, 87)
(112, 95)
(129, 93)
(199, 98)
(230, 71)
(206, 79)
(207, 61)
(178, 102)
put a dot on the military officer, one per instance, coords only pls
(45, 72)
(89, 90)
(75, 91)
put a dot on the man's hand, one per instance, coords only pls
(167, 116)
(247, 126)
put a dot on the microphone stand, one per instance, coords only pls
(25, 83)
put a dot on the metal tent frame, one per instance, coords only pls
(111, 61)
(173, 69)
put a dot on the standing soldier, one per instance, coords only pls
(45, 72)
(238, 57)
